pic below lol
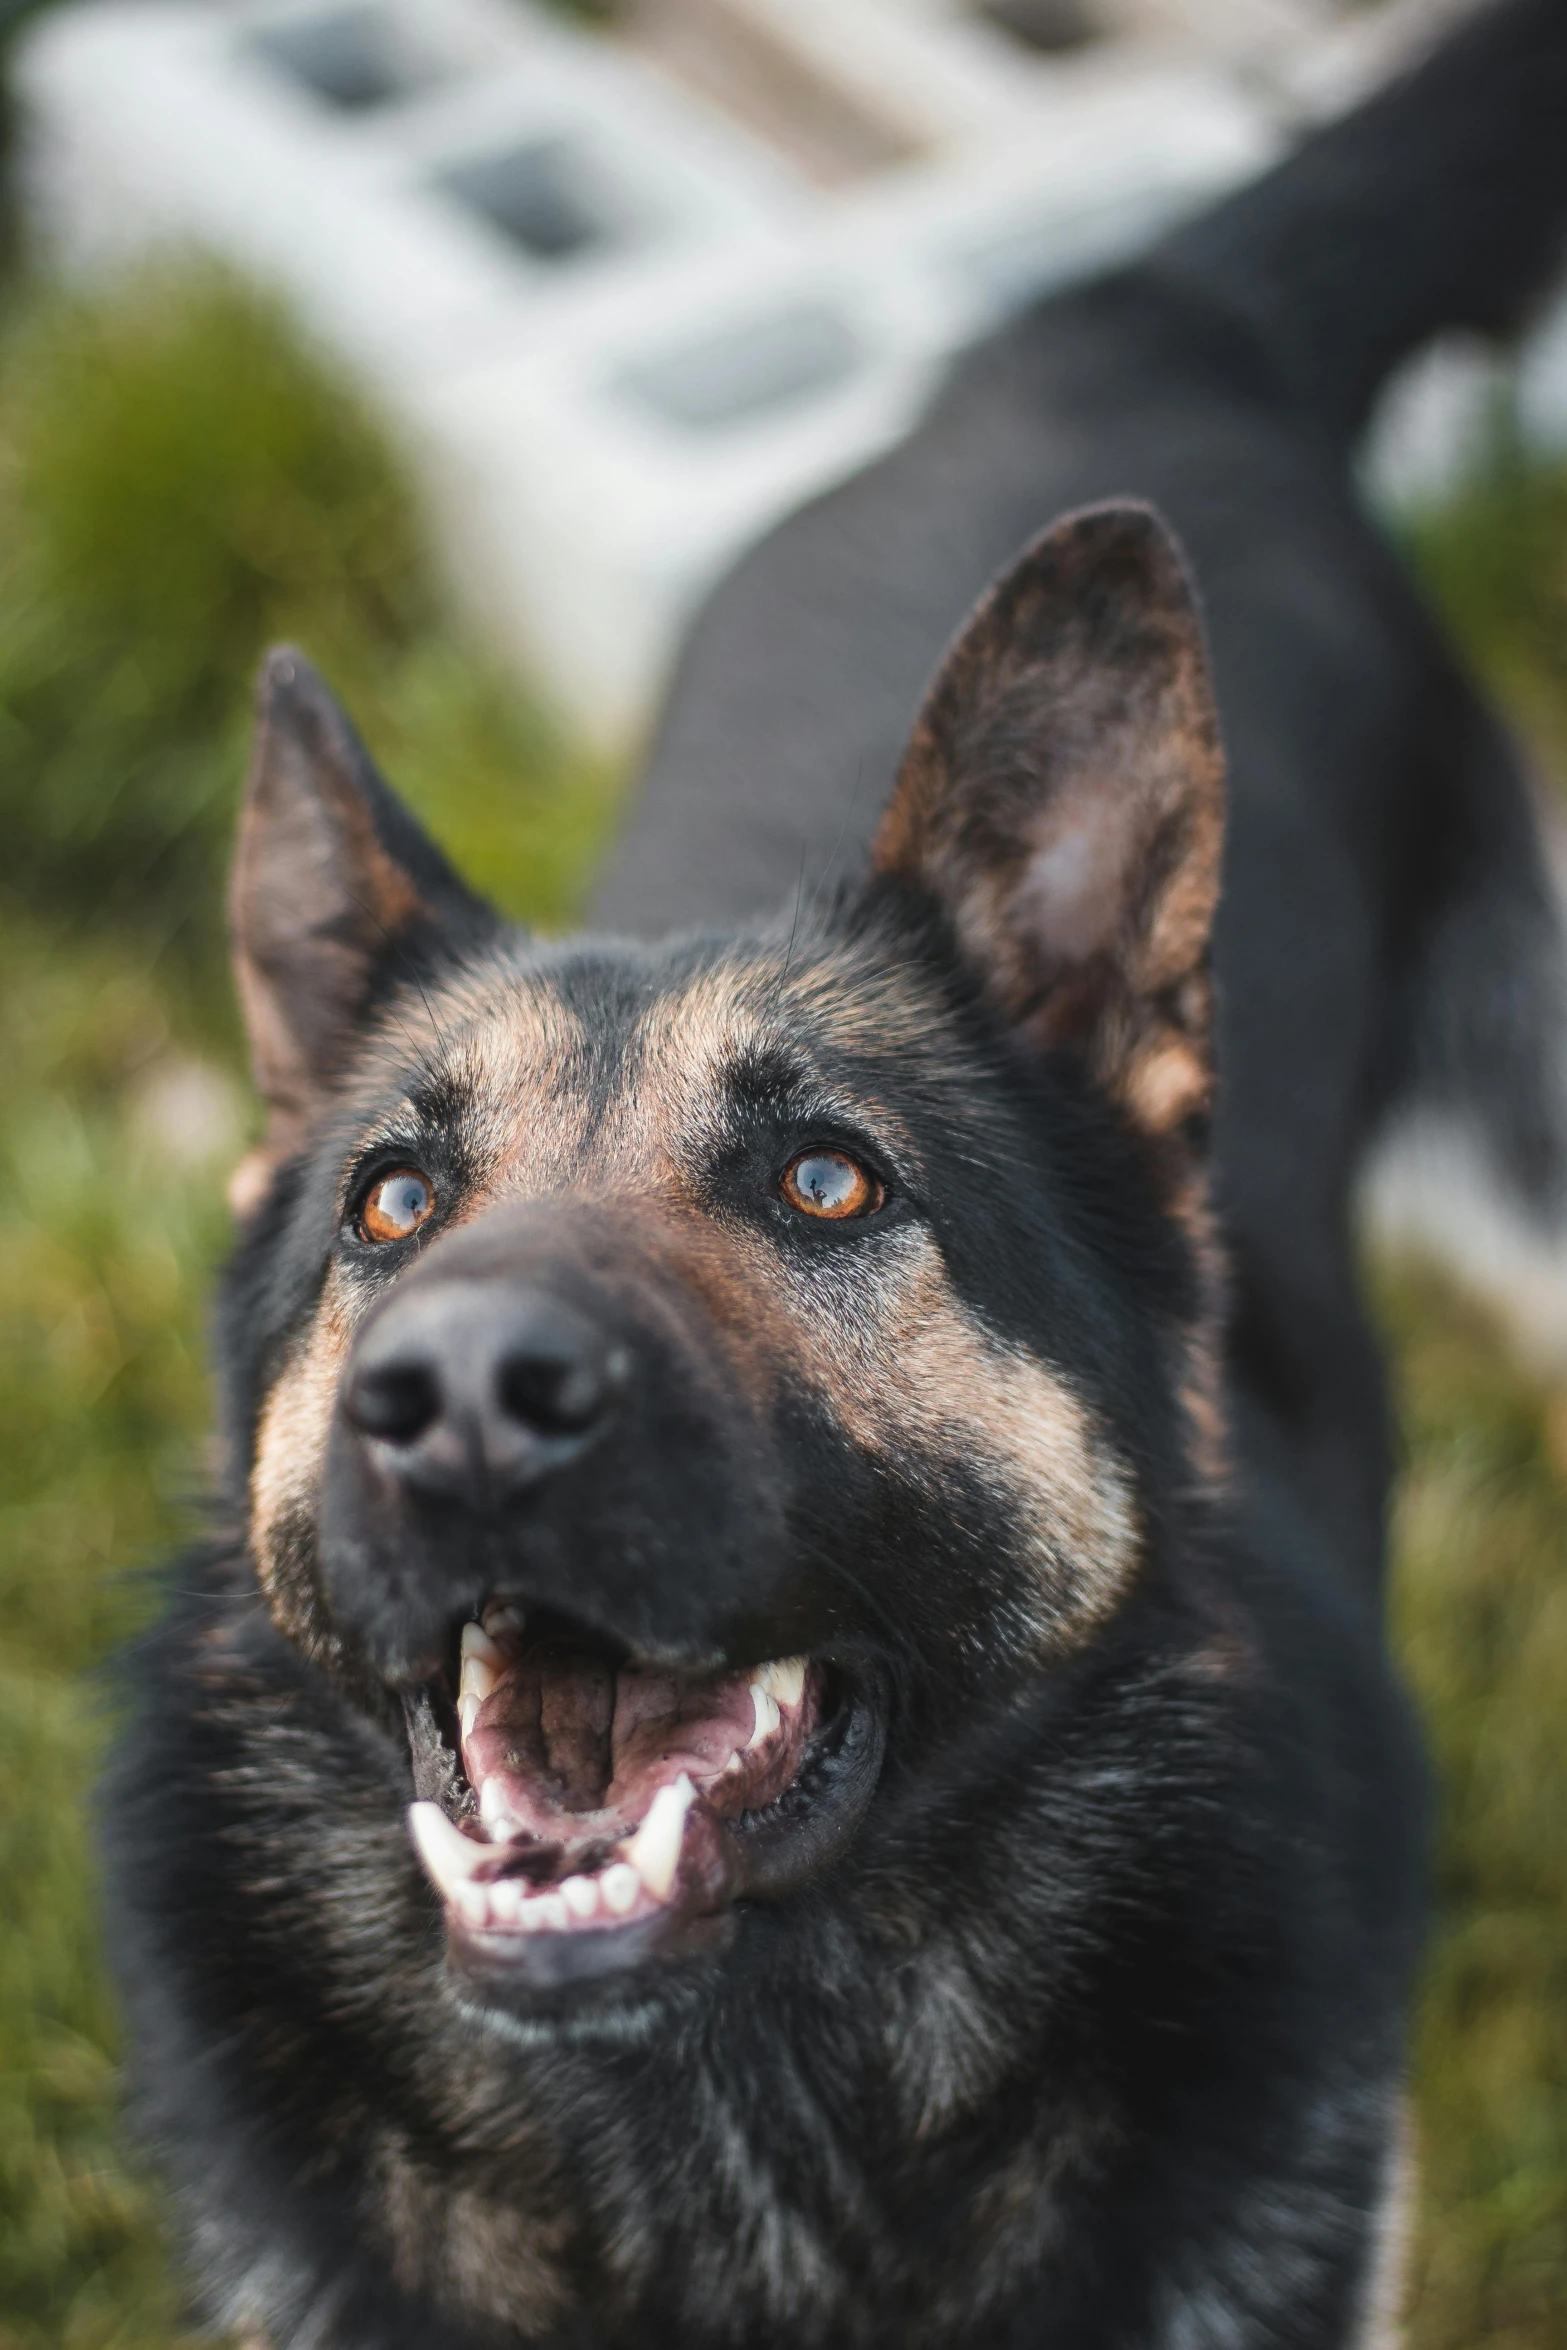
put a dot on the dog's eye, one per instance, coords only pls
(830, 1183)
(396, 1205)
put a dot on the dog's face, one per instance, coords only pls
(688, 1391)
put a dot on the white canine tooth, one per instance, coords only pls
(482, 1664)
(474, 1902)
(449, 1856)
(620, 1886)
(549, 1913)
(477, 1642)
(476, 1681)
(468, 1714)
(654, 1851)
(783, 1678)
(580, 1895)
(766, 1713)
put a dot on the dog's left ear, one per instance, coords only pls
(1063, 797)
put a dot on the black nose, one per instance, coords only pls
(477, 1390)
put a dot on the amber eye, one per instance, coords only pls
(830, 1183)
(397, 1205)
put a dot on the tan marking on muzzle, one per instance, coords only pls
(972, 1400)
(285, 1481)
(913, 1375)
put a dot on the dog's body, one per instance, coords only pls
(926, 1848)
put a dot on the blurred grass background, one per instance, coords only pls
(180, 483)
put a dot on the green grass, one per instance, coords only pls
(1480, 1610)
(178, 483)
(104, 1234)
(178, 487)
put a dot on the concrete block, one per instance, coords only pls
(628, 301)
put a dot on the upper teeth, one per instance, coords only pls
(783, 1679)
(778, 1683)
(481, 1668)
(654, 1851)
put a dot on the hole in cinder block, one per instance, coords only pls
(728, 378)
(1049, 26)
(543, 196)
(353, 59)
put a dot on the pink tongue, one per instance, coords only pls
(564, 1733)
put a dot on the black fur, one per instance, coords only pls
(1088, 2030)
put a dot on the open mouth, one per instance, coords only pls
(580, 1812)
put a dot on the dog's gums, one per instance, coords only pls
(620, 1806)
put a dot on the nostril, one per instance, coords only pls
(556, 1395)
(395, 1401)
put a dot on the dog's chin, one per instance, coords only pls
(594, 1823)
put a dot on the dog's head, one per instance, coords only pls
(684, 1390)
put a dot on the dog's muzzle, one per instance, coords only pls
(552, 1522)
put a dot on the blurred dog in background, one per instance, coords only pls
(829, 1473)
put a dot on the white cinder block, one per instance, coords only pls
(619, 331)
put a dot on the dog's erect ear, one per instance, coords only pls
(1063, 796)
(330, 874)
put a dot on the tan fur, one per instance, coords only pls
(1164, 1084)
(912, 1376)
(285, 1480)
(519, 1063)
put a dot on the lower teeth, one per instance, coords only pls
(506, 1903)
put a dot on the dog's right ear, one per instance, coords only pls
(332, 882)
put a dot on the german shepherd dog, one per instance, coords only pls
(791, 1742)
